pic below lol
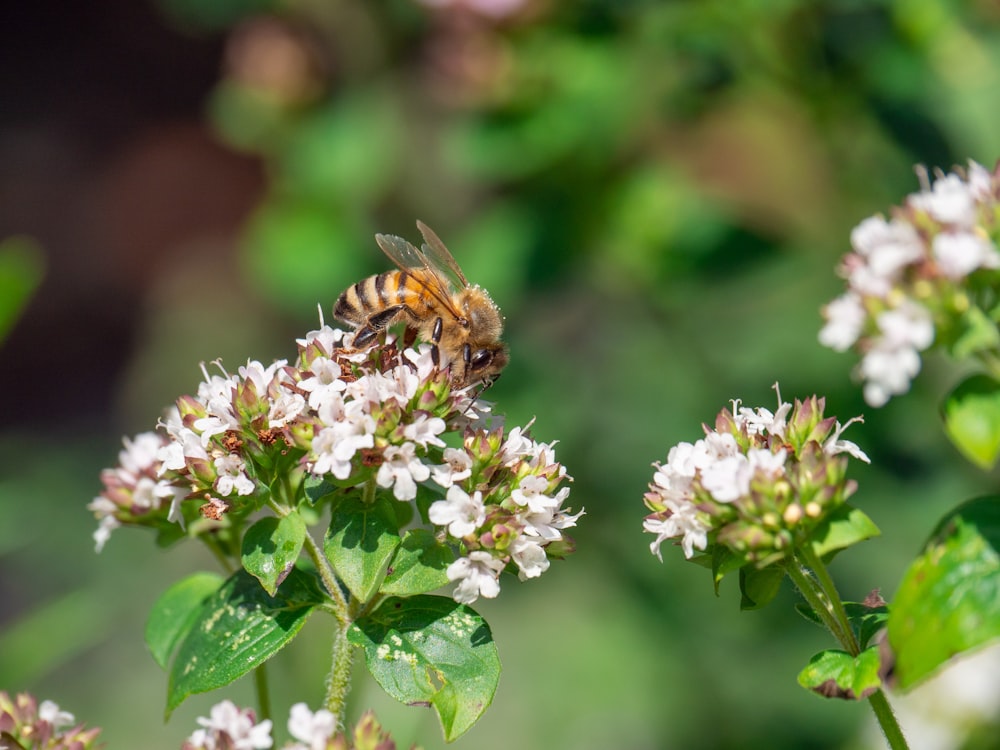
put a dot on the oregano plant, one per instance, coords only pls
(346, 484)
(765, 494)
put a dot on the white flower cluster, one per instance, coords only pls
(746, 475)
(905, 276)
(228, 727)
(26, 723)
(508, 510)
(354, 417)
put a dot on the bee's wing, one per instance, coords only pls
(439, 257)
(408, 258)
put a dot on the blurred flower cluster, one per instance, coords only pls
(927, 273)
(350, 418)
(757, 484)
(229, 727)
(44, 726)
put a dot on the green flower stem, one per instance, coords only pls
(821, 594)
(831, 596)
(329, 579)
(887, 720)
(263, 692)
(817, 600)
(338, 682)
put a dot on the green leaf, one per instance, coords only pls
(971, 414)
(22, 266)
(419, 565)
(360, 542)
(270, 548)
(722, 561)
(174, 613)
(842, 528)
(865, 621)
(979, 333)
(430, 650)
(237, 629)
(837, 674)
(759, 587)
(949, 599)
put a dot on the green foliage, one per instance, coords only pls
(175, 611)
(418, 566)
(360, 543)
(236, 630)
(21, 270)
(845, 527)
(837, 674)
(430, 650)
(971, 414)
(948, 600)
(271, 547)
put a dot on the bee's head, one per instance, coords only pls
(485, 363)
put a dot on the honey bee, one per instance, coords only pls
(430, 294)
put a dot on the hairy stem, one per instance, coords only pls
(821, 594)
(263, 692)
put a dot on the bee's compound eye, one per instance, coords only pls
(480, 359)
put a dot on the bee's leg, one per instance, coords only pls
(375, 324)
(435, 340)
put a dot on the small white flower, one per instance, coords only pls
(949, 201)
(477, 575)
(908, 325)
(887, 246)
(980, 182)
(768, 463)
(324, 383)
(140, 453)
(727, 479)
(325, 337)
(284, 409)
(401, 469)
(149, 494)
(960, 253)
(103, 532)
(49, 712)
(845, 319)
(260, 375)
(232, 476)
(517, 445)
(460, 512)
(682, 522)
(424, 430)
(835, 445)
(530, 492)
(887, 372)
(229, 727)
(457, 466)
(529, 556)
(547, 524)
(313, 729)
(334, 448)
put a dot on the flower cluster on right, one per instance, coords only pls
(758, 484)
(927, 273)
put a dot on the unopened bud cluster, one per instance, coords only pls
(44, 726)
(927, 273)
(352, 418)
(758, 484)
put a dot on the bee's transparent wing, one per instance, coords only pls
(409, 259)
(440, 258)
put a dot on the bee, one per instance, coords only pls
(430, 294)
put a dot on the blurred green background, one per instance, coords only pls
(655, 193)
